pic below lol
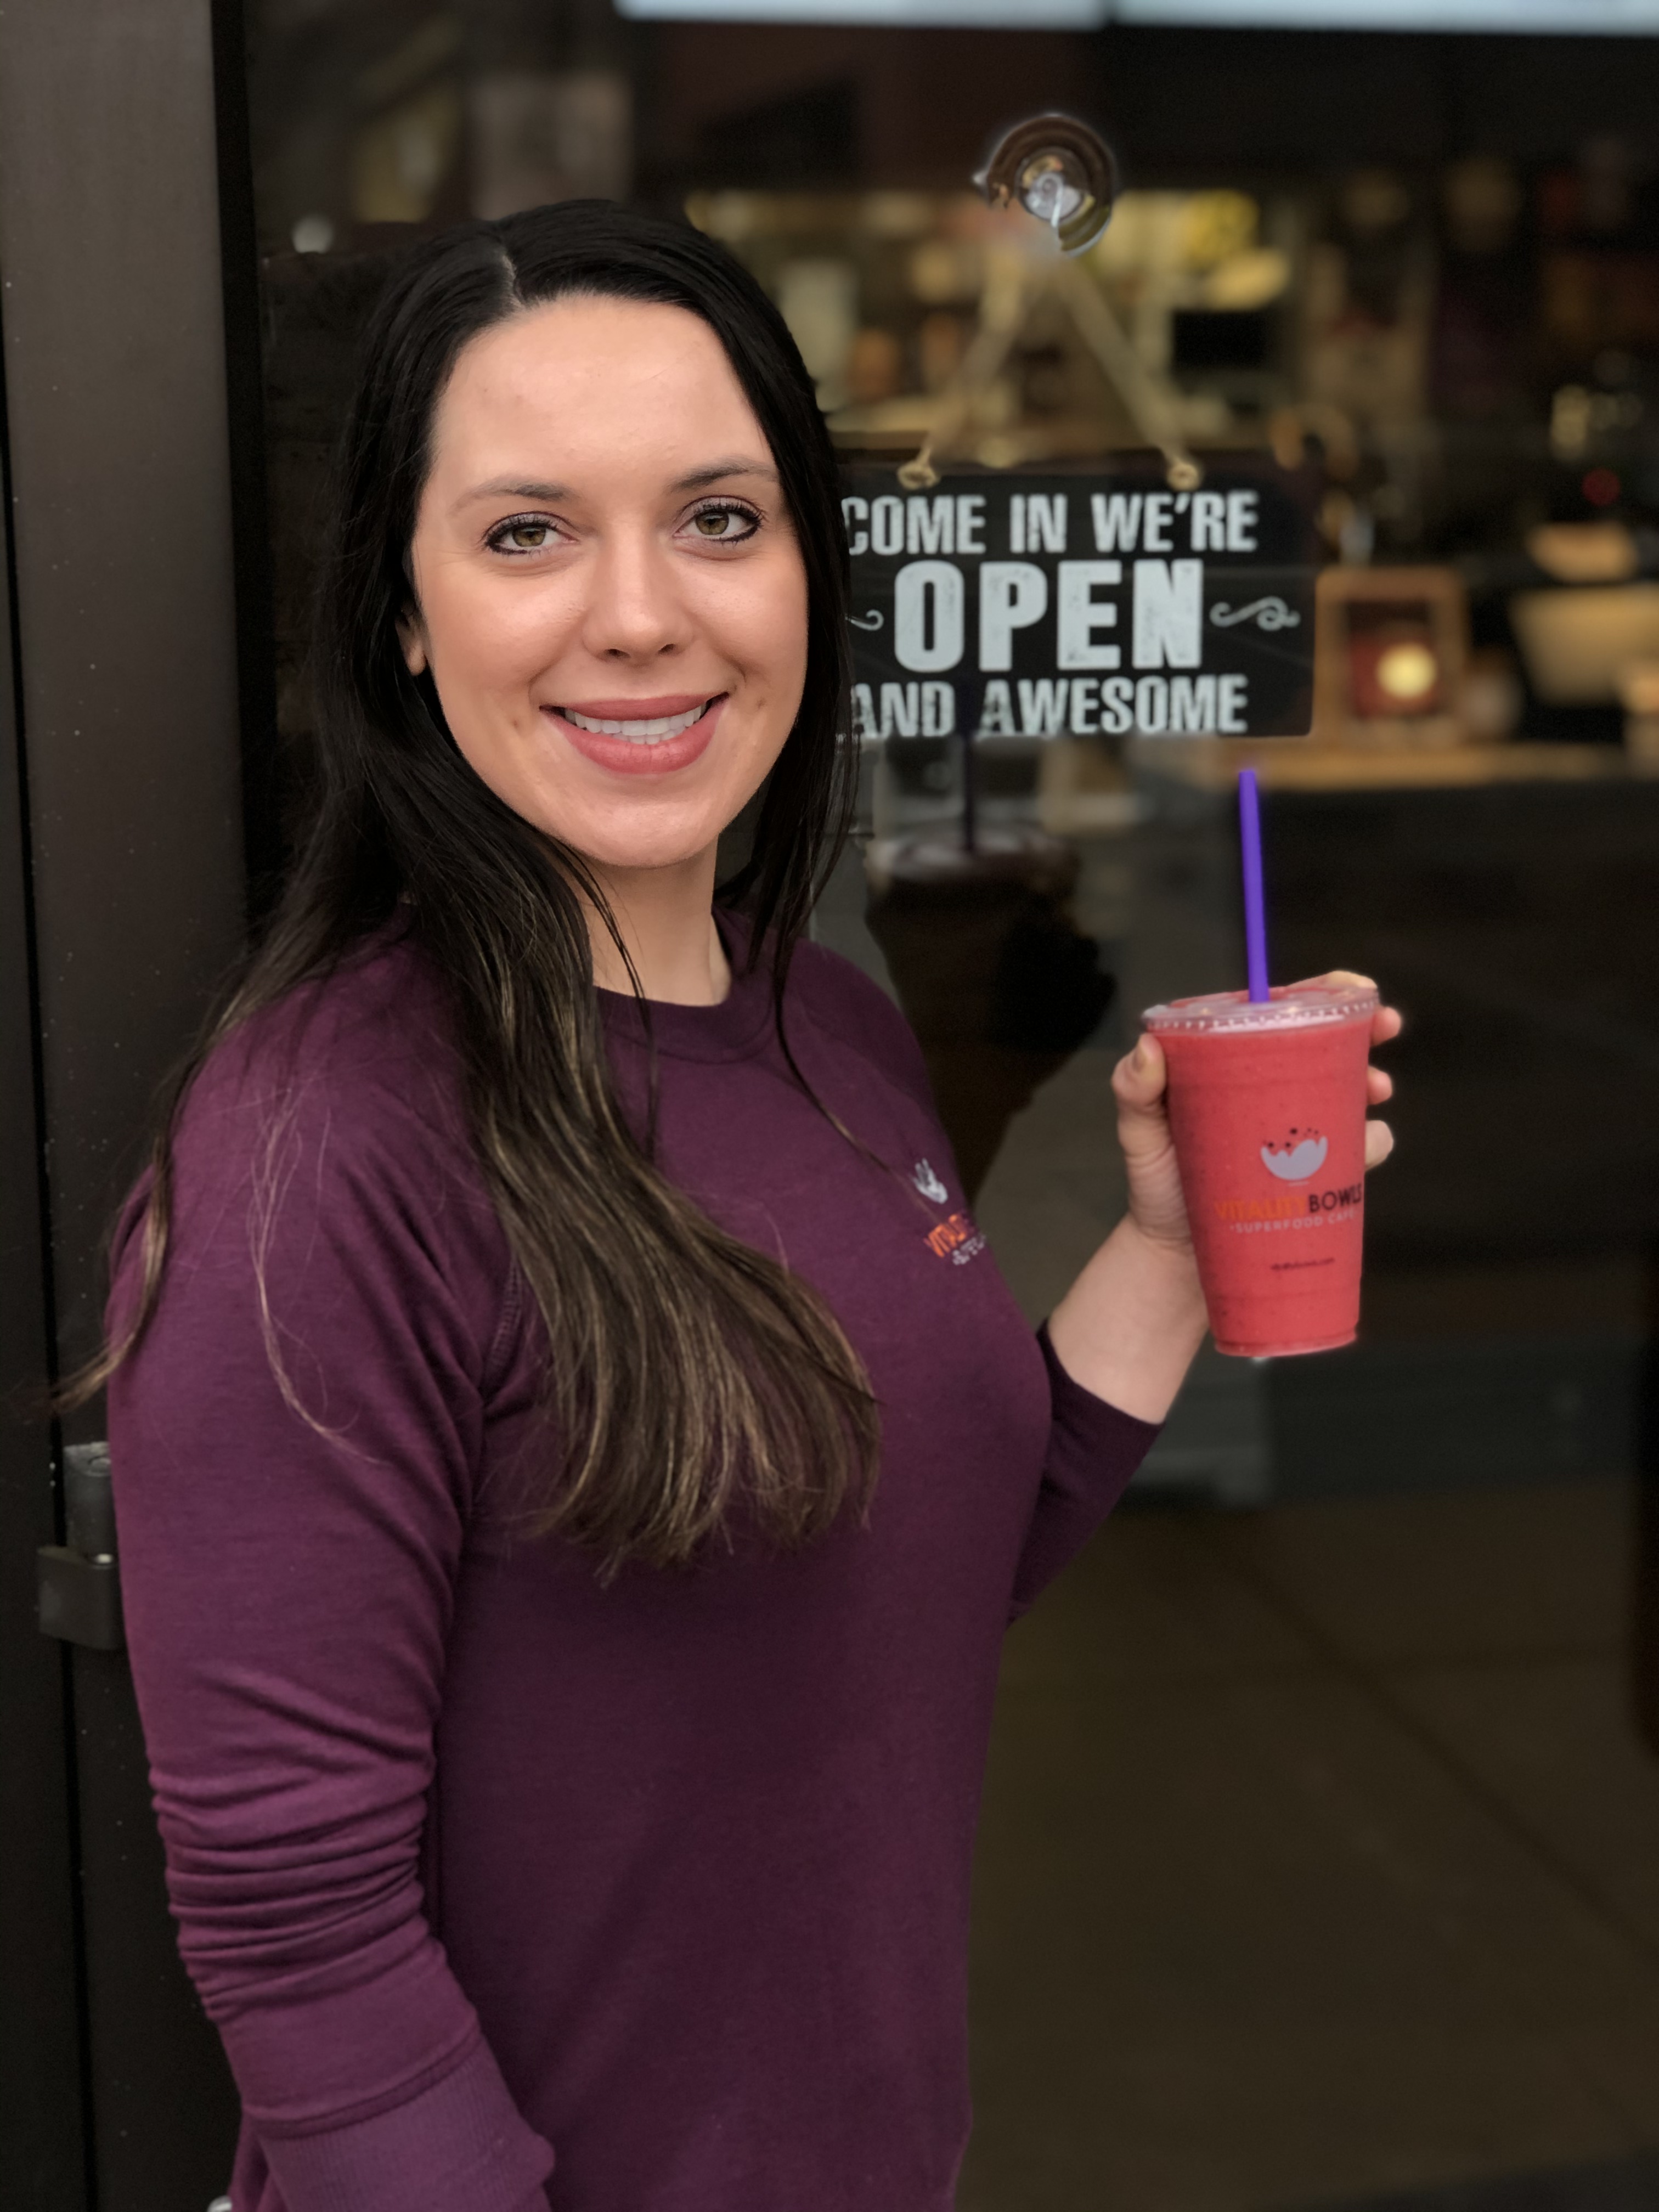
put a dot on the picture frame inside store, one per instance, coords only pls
(1394, 650)
(1097, 602)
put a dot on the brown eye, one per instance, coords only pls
(523, 533)
(726, 524)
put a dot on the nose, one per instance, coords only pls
(635, 613)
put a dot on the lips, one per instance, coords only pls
(639, 737)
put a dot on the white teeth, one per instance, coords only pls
(639, 734)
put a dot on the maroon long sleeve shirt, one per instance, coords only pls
(496, 1879)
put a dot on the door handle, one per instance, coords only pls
(78, 1583)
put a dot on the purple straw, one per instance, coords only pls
(1255, 913)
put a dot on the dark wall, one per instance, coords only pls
(1178, 104)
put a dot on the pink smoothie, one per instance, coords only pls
(1267, 1109)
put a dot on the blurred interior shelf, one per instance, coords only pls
(1297, 764)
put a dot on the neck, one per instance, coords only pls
(665, 918)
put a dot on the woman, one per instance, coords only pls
(570, 1493)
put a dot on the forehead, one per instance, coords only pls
(584, 384)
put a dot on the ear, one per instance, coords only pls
(411, 635)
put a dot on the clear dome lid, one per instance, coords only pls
(1290, 1006)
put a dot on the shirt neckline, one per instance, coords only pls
(735, 1029)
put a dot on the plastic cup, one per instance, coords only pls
(1267, 1109)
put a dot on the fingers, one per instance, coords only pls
(1141, 1077)
(1346, 976)
(1386, 1023)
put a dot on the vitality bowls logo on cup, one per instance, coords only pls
(1293, 1161)
(1298, 1158)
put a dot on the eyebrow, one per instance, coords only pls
(504, 488)
(721, 469)
(697, 480)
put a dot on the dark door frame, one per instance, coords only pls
(132, 454)
(42, 2123)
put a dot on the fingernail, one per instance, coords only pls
(1142, 1055)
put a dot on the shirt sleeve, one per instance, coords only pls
(1093, 1452)
(293, 1446)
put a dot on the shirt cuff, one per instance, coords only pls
(1094, 1426)
(460, 2145)
(1094, 1448)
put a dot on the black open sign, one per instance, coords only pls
(1092, 602)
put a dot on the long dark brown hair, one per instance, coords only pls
(694, 1377)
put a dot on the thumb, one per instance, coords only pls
(1140, 1079)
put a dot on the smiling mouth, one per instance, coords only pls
(654, 732)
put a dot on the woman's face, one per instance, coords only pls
(609, 592)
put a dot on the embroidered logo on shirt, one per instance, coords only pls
(928, 1183)
(956, 1239)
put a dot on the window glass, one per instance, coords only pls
(1318, 1849)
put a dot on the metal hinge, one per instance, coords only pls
(77, 1582)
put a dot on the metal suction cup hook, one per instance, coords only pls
(1058, 170)
(1062, 174)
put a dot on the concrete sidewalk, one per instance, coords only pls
(1320, 1864)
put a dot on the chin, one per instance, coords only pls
(634, 845)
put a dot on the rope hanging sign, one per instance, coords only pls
(1145, 595)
